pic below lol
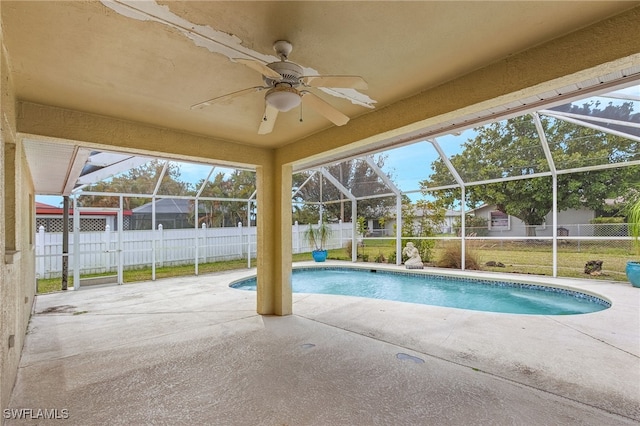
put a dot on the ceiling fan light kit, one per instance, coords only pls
(282, 79)
(283, 98)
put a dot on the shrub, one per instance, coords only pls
(451, 257)
(317, 235)
(609, 226)
(420, 221)
(473, 225)
(425, 248)
(348, 247)
(392, 258)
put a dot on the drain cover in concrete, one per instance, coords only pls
(406, 357)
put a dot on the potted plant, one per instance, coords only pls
(633, 266)
(317, 237)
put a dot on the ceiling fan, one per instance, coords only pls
(286, 88)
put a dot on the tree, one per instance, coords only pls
(239, 184)
(356, 176)
(474, 225)
(512, 148)
(423, 219)
(139, 180)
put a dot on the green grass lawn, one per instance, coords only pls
(145, 274)
(529, 257)
(533, 258)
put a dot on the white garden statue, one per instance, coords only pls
(414, 261)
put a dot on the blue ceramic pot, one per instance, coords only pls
(319, 255)
(633, 273)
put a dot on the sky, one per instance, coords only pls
(52, 200)
(408, 165)
(412, 163)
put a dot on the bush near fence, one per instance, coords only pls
(610, 226)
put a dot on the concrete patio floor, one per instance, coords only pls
(193, 351)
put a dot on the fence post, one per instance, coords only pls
(107, 248)
(248, 232)
(340, 228)
(204, 242)
(297, 240)
(40, 269)
(196, 237)
(161, 245)
(76, 245)
(240, 236)
(153, 253)
(578, 240)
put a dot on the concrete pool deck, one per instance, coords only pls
(192, 350)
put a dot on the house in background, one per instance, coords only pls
(451, 219)
(571, 222)
(177, 213)
(171, 213)
(51, 218)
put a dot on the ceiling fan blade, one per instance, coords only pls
(268, 120)
(260, 67)
(340, 81)
(322, 107)
(227, 97)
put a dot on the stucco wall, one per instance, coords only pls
(17, 264)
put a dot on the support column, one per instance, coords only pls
(274, 183)
(195, 233)
(555, 225)
(249, 234)
(354, 230)
(463, 230)
(398, 230)
(76, 244)
(153, 238)
(65, 242)
(120, 242)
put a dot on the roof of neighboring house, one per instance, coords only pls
(46, 209)
(44, 206)
(448, 213)
(166, 205)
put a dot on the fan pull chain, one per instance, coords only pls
(301, 112)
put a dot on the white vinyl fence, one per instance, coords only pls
(99, 250)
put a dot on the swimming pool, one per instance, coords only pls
(427, 289)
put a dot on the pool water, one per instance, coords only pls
(463, 293)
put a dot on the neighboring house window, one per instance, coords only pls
(499, 221)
